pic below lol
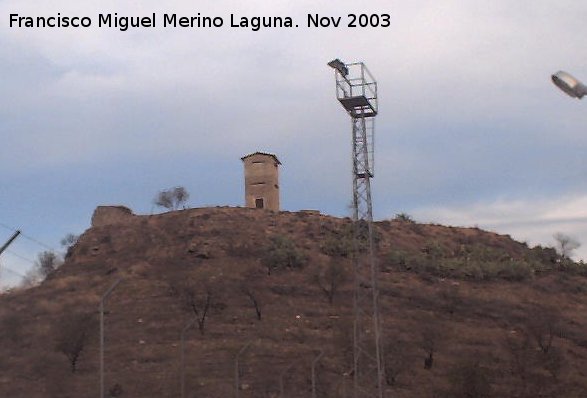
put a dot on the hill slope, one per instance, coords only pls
(498, 318)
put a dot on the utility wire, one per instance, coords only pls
(38, 242)
(7, 227)
(21, 257)
(4, 268)
(11, 271)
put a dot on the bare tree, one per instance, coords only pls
(431, 337)
(69, 240)
(532, 351)
(330, 277)
(72, 334)
(172, 199)
(566, 244)
(253, 299)
(198, 304)
(396, 359)
(47, 262)
(543, 325)
(195, 297)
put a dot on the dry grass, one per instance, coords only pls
(219, 249)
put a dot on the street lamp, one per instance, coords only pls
(570, 85)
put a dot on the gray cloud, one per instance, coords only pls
(468, 114)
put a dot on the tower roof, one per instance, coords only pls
(261, 153)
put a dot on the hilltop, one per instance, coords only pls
(499, 318)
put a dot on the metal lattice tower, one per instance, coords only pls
(356, 89)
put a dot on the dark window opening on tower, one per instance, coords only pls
(259, 203)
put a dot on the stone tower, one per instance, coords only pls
(261, 181)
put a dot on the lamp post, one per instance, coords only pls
(569, 84)
(102, 301)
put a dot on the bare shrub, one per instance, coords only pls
(533, 353)
(396, 359)
(47, 262)
(565, 244)
(199, 297)
(172, 199)
(432, 335)
(69, 240)
(529, 365)
(404, 217)
(330, 277)
(72, 334)
(543, 325)
(198, 302)
(253, 299)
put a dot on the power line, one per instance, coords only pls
(21, 257)
(11, 271)
(38, 242)
(30, 238)
(7, 227)
(4, 268)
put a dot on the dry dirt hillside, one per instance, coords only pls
(466, 313)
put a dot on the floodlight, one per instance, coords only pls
(569, 84)
(339, 66)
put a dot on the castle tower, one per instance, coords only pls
(261, 181)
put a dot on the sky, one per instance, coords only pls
(470, 129)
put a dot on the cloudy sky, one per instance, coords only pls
(471, 131)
